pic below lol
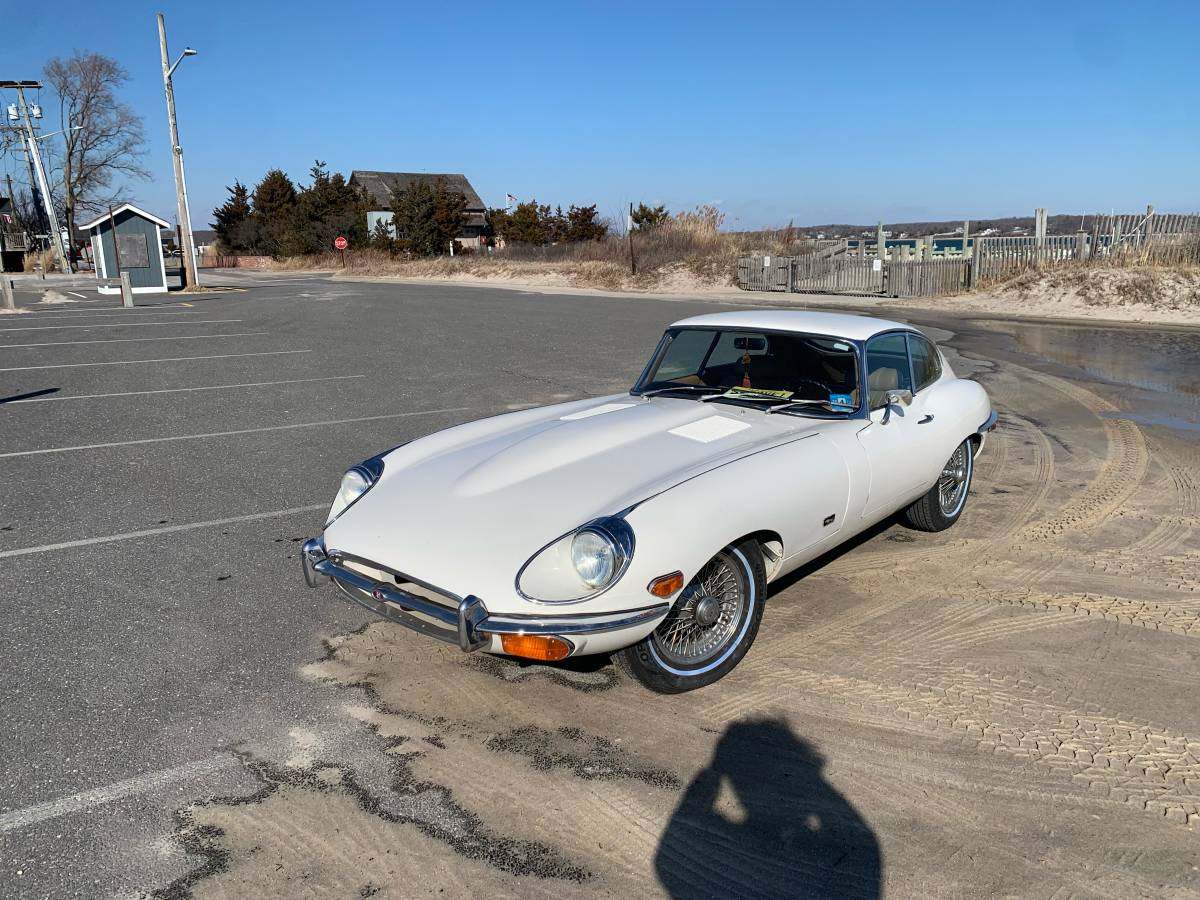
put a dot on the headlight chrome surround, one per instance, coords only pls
(558, 560)
(357, 480)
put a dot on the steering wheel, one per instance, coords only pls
(825, 389)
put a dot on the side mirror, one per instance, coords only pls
(895, 398)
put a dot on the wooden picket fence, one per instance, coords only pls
(853, 275)
(849, 267)
(926, 277)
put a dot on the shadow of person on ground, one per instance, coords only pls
(761, 820)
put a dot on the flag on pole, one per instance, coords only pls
(509, 200)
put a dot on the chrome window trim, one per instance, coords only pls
(859, 359)
(912, 366)
(866, 348)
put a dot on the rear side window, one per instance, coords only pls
(927, 367)
(887, 368)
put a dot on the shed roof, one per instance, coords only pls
(382, 186)
(103, 217)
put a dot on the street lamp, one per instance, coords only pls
(185, 220)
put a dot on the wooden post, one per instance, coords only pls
(126, 290)
(8, 302)
(632, 258)
(1081, 244)
(966, 234)
(1149, 229)
(1039, 227)
(880, 243)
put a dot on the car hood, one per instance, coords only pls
(473, 503)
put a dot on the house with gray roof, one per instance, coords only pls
(382, 188)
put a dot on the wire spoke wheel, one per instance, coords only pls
(952, 485)
(707, 616)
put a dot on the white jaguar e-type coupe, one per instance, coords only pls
(650, 523)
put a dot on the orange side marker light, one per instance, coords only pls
(666, 585)
(535, 646)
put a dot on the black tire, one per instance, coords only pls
(931, 513)
(650, 660)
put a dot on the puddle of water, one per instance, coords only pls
(1161, 361)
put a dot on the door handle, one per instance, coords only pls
(926, 420)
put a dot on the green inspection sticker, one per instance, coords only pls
(750, 393)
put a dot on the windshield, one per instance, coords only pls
(755, 367)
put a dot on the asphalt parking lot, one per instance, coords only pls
(1008, 707)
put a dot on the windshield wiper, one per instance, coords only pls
(682, 387)
(790, 403)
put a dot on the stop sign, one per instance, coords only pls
(340, 242)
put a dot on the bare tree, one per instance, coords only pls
(103, 138)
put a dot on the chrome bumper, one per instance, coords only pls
(987, 427)
(468, 623)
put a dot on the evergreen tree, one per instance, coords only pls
(526, 224)
(496, 224)
(645, 217)
(556, 225)
(381, 237)
(233, 224)
(584, 224)
(274, 207)
(450, 214)
(324, 210)
(428, 217)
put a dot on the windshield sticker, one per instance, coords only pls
(751, 393)
(841, 346)
(841, 401)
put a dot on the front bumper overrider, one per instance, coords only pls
(463, 621)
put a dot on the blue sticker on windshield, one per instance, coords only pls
(841, 401)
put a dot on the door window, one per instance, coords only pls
(887, 368)
(927, 368)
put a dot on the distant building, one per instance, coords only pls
(13, 241)
(382, 188)
(128, 239)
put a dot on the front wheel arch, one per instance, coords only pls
(650, 664)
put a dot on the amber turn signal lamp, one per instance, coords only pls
(534, 646)
(666, 585)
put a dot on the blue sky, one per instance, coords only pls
(775, 111)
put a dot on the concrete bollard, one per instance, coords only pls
(8, 302)
(126, 290)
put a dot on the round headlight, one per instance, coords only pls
(354, 484)
(594, 557)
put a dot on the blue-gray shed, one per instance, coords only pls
(136, 250)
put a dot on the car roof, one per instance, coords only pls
(842, 325)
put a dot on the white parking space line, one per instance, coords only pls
(166, 529)
(129, 325)
(81, 296)
(210, 387)
(213, 434)
(182, 337)
(130, 787)
(88, 314)
(134, 362)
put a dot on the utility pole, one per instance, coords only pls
(34, 155)
(185, 222)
